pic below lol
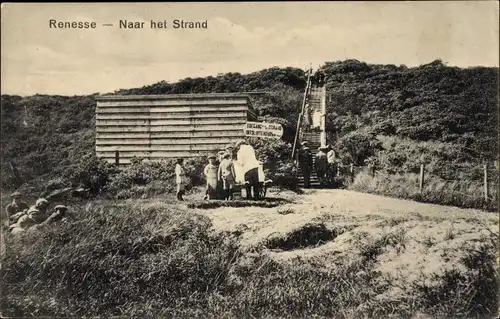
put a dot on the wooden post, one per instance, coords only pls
(421, 180)
(485, 168)
(373, 170)
(117, 157)
(351, 171)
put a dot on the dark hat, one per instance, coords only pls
(226, 155)
(239, 143)
(229, 146)
(212, 156)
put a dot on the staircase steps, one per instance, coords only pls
(314, 101)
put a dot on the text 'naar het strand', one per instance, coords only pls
(128, 24)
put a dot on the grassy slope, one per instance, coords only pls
(328, 254)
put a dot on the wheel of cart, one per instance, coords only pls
(240, 184)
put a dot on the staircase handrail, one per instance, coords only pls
(301, 115)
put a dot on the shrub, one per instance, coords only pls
(277, 163)
(92, 173)
(356, 147)
(286, 175)
(148, 178)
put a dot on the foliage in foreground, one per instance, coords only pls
(124, 260)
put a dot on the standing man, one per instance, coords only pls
(321, 164)
(331, 158)
(219, 189)
(305, 162)
(250, 167)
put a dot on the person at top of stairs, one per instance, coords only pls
(305, 162)
(319, 78)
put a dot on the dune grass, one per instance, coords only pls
(119, 260)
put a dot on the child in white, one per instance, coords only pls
(180, 178)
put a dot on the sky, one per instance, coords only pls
(241, 37)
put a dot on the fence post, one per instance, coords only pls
(421, 180)
(117, 157)
(485, 168)
(351, 171)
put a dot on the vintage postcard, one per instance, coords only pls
(245, 159)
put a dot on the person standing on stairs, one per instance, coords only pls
(307, 115)
(321, 164)
(317, 119)
(305, 163)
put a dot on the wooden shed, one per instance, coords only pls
(153, 127)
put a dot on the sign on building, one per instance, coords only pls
(263, 129)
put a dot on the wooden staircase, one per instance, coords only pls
(313, 133)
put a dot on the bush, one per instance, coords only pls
(277, 162)
(357, 147)
(92, 173)
(286, 175)
(144, 179)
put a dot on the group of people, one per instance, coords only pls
(325, 163)
(236, 164)
(22, 217)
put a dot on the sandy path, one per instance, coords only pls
(338, 206)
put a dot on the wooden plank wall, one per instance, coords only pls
(156, 127)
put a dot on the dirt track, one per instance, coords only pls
(343, 207)
(412, 242)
